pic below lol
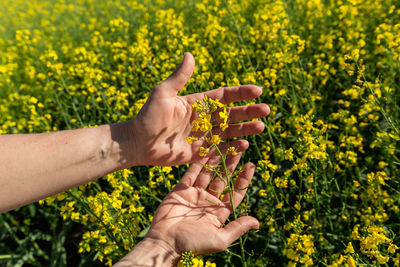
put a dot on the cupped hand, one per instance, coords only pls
(160, 129)
(192, 216)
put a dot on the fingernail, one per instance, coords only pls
(268, 110)
(246, 143)
(261, 126)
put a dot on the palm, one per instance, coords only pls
(164, 134)
(191, 216)
(164, 122)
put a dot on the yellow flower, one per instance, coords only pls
(232, 150)
(102, 239)
(223, 126)
(196, 126)
(383, 259)
(75, 215)
(203, 151)
(266, 175)
(262, 193)
(215, 139)
(351, 261)
(210, 264)
(289, 154)
(349, 248)
(191, 139)
(382, 164)
(224, 116)
(392, 248)
(204, 122)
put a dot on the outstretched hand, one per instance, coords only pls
(192, 217)
(160, 129)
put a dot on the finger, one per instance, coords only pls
(239, 190)
(175, 82)
(241, 184)
(194, 170)
(243, 113)
(190, 176)
(230, 94)
(233, 230)
(214, 173)
(239, 145)
(207, 173)
(218, 185)
(240, 129)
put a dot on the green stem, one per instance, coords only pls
(230, 191)
(6, 257)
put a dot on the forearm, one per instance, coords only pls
(148, 253)
(35, 166)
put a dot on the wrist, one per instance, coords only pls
(150, 252)
(123, 149)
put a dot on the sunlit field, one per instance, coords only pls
(327, 184)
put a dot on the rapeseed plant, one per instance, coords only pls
(205, 110)
(327, 162)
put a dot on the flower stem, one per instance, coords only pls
(230, 191)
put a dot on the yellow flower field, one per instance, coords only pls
(327, 186)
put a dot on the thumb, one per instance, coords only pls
(175, 82)
(237, 228)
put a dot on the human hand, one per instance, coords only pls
(191, 216)
(160, 129)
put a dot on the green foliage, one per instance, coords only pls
(327, 164)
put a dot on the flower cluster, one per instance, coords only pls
(188, 260)
(327, 160)
(206, 121)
